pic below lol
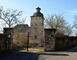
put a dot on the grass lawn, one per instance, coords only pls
(23, 49)
(33, 50)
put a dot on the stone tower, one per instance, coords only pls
(37, 28)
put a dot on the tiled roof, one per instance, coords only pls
(24, 27)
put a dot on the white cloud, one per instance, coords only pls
(73, 11)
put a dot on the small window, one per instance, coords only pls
(42, 24)
(36, 18)
(36, 29)
(35, 37)
(36, 24)
(19, 29)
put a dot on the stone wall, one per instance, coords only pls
(19, 39)
(2, 42)
(49, 40)
(58, 43)
(6, 39)
(62, 43)
(9, 37)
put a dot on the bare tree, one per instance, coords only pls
(75, 21)
(75, 25)
(11, 17)
(68, 30)
(56, 21)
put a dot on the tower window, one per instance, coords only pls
(42, 24)
(35, 37)
(36, 24)
(36, 29)
(36, 18)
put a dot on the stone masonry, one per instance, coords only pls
(20, 35)
(37, 28)
(49, 39)
(9, 37)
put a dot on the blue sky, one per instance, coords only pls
(66, 7)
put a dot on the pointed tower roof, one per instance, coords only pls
(38, 13)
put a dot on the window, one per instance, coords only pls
(36, 24)
(42, 24)
(36, 18)
(36, 29)
(19, 29)
(35, 37)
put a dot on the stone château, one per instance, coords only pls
(36, 30)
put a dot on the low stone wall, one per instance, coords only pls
(53, 43)
(2, 42)
(6, 39)
(19, 39)
(62, 43)
(49, 40)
